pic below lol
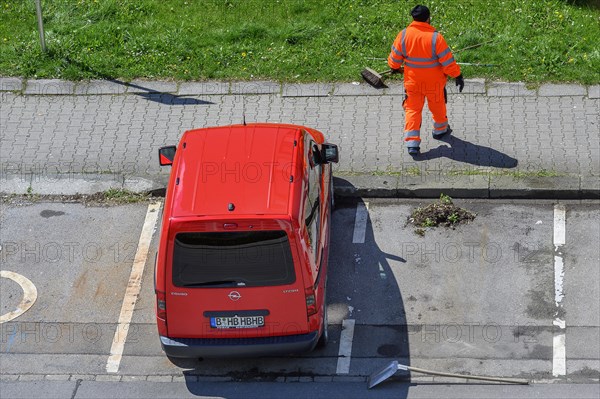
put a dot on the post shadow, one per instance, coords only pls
(149, 94)
(474, 154)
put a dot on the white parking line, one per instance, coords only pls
(29, 295)
(345, 352)
(133, 289)
(360, 223)
(559, 355)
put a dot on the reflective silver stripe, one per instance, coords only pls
(403, 43)
(438, 125)
(397, 60)
(422, 66)
(443, 53)
(397, 52)
(421, 59)
(448, 62)
(433, 40)
(412, 133)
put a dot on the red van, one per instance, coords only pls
(241, 267)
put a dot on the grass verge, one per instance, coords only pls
(291, 40)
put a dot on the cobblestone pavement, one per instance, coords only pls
(103, 127)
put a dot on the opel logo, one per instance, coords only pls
(234, 295)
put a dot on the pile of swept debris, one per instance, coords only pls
(442, 213)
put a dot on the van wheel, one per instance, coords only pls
(331, 192)
(324, 338)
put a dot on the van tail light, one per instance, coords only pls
(311, 301)
(161, 305)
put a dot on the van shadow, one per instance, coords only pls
(474, 154)
(361, 286)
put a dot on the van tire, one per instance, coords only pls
(331, 192)
(324, 338)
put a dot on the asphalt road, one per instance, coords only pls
(502, 296)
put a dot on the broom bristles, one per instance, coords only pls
(372, 77)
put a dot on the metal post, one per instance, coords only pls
(38, 7)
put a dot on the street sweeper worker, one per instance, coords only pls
(427, 61)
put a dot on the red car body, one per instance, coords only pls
(241, 267)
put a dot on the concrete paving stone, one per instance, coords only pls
(203, 88)
(147, 86)
(159, 378)
(590, 187)
(394, 88)
(348, 378)
(356, 89)
(9, 377)
(306, 379)
(540, 187)
(108, 377)
(31, 377)
(75, 183)
(594, 91)
(292, 379)
(367, 185)
(83, 377)
(306, 89)
(139, 184)
(504, 89)
(133, 378)
(472, 86)
(432, 185)
(11, 84)
(57, 377)
(256, 87)
(559, 90)
(99, 87)
(49, 87)
(183, 378)
(15, 184)
(323, 378)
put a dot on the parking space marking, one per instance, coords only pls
(133, 288)
(559, 357)
(360, 223)
(345, 352)
(29, 295)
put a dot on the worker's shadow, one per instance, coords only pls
(474, 154)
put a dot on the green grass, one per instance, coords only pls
(291, 40)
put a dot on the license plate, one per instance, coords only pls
(237, 322)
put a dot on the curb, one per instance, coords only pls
(346, 186)
(475, 86)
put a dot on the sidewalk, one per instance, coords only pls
(508, 141)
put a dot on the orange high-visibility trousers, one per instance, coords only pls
(414, 100)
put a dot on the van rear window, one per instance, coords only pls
(232, 259)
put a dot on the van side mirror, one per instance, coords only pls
(329, 153)
(166, 155)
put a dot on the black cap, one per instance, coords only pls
(420, 13)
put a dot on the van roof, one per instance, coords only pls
(248, 166)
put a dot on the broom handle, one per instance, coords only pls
(470, 377)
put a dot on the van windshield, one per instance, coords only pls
(253, 258)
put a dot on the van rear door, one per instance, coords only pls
(234, 284)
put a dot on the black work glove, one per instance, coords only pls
(460, 82)
(397, 70)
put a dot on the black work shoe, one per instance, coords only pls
(441, 135)
(413, 150)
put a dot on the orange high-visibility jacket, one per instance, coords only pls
(424, 53)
